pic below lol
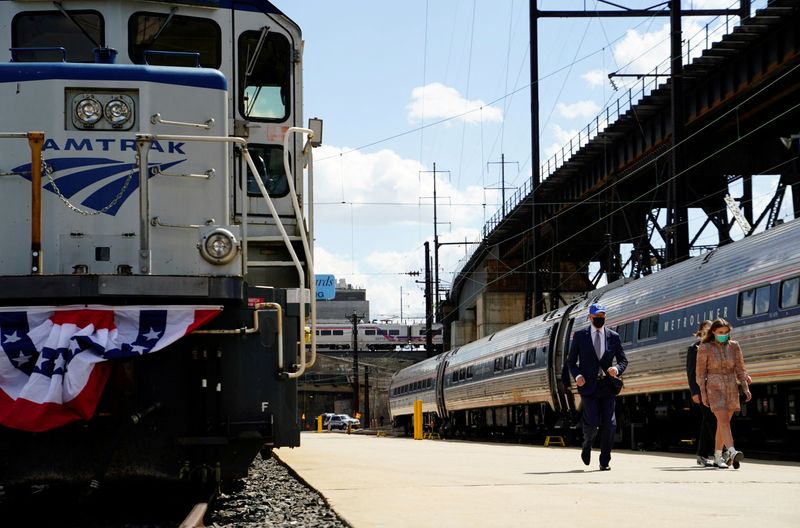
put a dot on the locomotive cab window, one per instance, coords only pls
(172, 38)
(52, 29)
(268, 160)
(790, 291)
(369, 332)
(754, 301)
(265, 65)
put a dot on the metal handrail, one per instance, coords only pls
(242, 144)
(35, 143)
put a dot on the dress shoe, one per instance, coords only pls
(605, 468)
(735, 458)
(586, 454)
(704, 462)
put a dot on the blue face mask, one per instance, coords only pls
(723, 338)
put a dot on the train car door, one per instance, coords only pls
(266, 87)
(439, 386)
(559, 349)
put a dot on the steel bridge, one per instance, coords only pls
(626, 180)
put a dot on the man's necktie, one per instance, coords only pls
(597, 348)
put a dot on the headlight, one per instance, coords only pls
(88, 111)
(117, 112)
(218, 246)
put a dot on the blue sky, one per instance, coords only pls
(403, 85)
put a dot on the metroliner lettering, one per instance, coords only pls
(106, 145)
(691, 320)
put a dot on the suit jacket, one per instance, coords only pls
(691, 363)
(582, 359)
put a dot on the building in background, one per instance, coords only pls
(348, 299)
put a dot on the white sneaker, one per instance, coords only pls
(735, 458)
(718, 460)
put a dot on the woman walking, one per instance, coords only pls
(708, 423)
(720, 364)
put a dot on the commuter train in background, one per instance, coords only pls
(513, 382)
(156, 155)
(378, 336)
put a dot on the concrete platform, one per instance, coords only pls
(398, 482)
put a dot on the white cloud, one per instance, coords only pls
(595, 77)
(386, 217)
(584, 109)
(437, 101)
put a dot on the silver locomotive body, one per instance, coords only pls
(152, 156)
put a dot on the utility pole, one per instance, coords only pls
(366, 397)
(502, 164)
(435, 238)
(428, 302)
(354, 318)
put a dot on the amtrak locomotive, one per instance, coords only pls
(513, 381)
(155, 285)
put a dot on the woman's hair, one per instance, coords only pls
(718, 323)
(702, 328)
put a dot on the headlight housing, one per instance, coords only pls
(101, 109)
(117, 112)
(218, 246)
(88, 111)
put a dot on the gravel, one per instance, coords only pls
(271, 496)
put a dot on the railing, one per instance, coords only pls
(143, 142)
(702, 40)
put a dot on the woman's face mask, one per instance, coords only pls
(722, 338)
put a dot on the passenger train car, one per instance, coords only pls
(377, 336)
(154, 154)
(513, 381)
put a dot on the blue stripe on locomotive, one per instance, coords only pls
(38, 71)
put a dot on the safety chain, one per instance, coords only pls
(48, 170)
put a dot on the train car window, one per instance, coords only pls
(518, 357)
(268, 160)
(648, 327)
(790, 292)
(530, 356)
(509, 362)
(394, 332)
(436, 332)
(338, 332)
(754, 301)
(49, 29)
(381, 332)
(462, 374)
(430, 382)
(326, 332)
(469, 372)
(455, 376)
(265, 68)
(177, 33)
(625, 332)
(369, 332)
(498, 364)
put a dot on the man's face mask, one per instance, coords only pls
(598, 321)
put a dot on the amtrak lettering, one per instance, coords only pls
(106, 145)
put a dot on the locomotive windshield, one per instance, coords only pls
(78, 32)
(174, 33)
(264, 74)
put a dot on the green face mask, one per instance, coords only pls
(723, 338)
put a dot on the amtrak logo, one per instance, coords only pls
(93, 181)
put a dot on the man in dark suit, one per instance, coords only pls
(590, 359)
